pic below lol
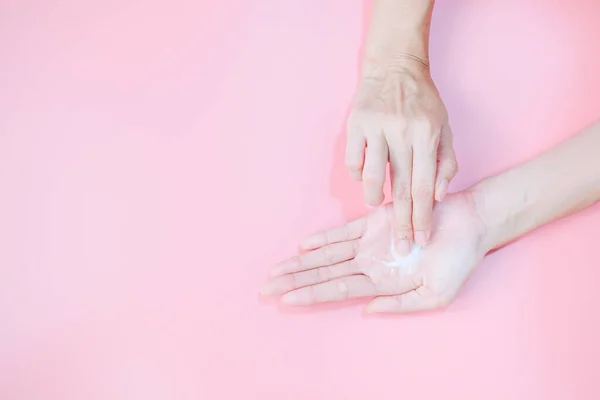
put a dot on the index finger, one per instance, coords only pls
(400, 171)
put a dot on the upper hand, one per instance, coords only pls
(358, 260)
(398, 116)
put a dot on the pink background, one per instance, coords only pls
(156, 157)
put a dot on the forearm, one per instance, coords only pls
(398, 33)
(560, 182)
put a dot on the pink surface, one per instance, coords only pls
(156, 157)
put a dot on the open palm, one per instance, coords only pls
(359, 260)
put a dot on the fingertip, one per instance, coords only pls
(441, 190)
(373, 204)
(378, 306)
(355, 152)
(369, 310)
(313, 242)
(374, 198)
(295, 298)
(403, 247)
(266, 289)
(307, 244)
(356, 175)
(421, 238)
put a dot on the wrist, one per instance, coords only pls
(555, 184)
(399, 34)
(480, 195)
(504, 209)
(395, 62)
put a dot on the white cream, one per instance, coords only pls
(386, 255)
(405, 264)
(400, 261)
(398, 264)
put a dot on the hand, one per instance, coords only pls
(398, 116)
(358, 260)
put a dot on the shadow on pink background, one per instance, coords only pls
(156, 157)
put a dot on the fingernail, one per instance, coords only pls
(442, 189)
(403, 247)
(421, 238)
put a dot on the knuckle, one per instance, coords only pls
(328, 254)
(395, 123)
(294, 280)
(344, 234)
(372, 166)
(328, 237)
(404, 233)
(424, 125)
(403, 226)
(422, 192)
(353, 165)
(356, 175)
(373, 199)
(350, 249)
(342, 288)
(422, 215)
(354, 248)
(322, 274)
(355, 127)
(422, 221)
(371, 171)
(302, 259)
(334, 271)
(401, 193)
(373, 178)
(353, 122)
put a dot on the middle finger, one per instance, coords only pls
(423, 183)
(400, 171)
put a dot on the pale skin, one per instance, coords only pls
(351, 261)
(398, 117)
